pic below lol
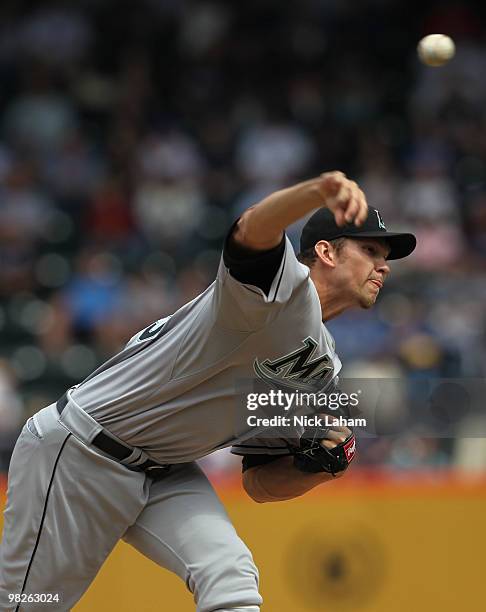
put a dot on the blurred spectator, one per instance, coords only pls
(202, 27)
(440, 244)
(108, 218)
(166, 209)
(55, 34)
(429, 193)
(274, 151)
(88, 303)
(40, 118)
(24, 208)
(414, 452)
(11, 413)
(25, 216)
(72, 172)
(476, 224)
(172, 156)
(380, 180)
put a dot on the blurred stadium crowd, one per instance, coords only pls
(134, 133)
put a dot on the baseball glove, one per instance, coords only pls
(313, 457)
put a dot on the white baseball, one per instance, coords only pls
(436, 49)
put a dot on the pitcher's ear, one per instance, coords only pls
(325, 253)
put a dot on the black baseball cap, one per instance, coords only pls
(321, 226)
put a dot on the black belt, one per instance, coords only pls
(119, 451)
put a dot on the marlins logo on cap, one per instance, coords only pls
(381, 223)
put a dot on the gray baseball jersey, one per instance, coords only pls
(171, 390)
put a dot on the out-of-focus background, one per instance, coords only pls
(132, 134)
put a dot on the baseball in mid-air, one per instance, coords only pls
(436, 49)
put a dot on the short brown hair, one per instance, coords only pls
(309, 256)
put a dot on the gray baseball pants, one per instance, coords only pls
(68, 505)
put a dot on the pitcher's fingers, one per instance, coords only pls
(342, 429)
(339, 217)
(329, 444)
(363, 209)
(331, 182)
(335, 436)
(352, 209)
(343, 196)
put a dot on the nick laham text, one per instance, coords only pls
(305, 421)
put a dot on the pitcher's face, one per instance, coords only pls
(362, 268)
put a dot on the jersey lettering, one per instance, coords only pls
(296, 366)
(153, 330)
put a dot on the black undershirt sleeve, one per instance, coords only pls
(252, 267)
(250, 461)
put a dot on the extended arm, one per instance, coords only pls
(280, 480)
(261, 226)
(313, 463)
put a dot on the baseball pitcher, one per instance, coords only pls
(114, 458)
